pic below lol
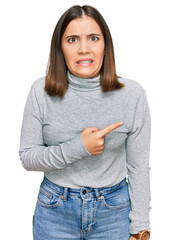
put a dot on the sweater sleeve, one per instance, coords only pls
(138, 151)
(34, 154)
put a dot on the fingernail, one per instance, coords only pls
(121, 123)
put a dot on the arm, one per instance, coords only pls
(35, 156)
(138, 149)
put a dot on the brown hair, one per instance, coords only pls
(56, 77)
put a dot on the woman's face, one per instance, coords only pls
(83, 47)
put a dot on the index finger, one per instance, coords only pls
(108, 129)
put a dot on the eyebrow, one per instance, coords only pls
(91, 34)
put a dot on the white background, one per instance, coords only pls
(140, 31)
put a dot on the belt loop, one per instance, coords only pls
(97, 194)
(65, 193)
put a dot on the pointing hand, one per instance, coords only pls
(93, 138)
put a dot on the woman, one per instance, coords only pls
(88, 130)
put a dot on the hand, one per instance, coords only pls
(93, 138)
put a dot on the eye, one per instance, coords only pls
(94, 38)
(72, 40)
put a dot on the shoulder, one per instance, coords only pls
(39, 84)
(131, 87)
(37, 89)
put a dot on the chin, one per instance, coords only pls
(85, 74)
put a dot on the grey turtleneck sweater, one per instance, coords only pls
(51, 139)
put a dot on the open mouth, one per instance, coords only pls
(85, 62)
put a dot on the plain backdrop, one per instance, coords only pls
(140, 31)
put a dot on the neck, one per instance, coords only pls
(83, 84)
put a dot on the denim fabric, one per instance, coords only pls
(85, 213)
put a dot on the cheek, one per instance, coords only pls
(100, 58)
(68, 57)
(100, 53)
(65, 51)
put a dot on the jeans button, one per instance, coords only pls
(84, 191)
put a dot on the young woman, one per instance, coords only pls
(88, 130)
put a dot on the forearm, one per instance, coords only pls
(42, 158)
(139, 191)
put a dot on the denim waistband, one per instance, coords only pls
(83, 191)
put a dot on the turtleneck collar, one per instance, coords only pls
(83, 84)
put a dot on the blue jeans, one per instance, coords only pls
(86, 213)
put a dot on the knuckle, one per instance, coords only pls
(97, 134)
(101, 142)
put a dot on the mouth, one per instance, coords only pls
(85, 62)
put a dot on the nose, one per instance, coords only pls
(84, 47)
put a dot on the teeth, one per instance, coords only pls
(87, 61)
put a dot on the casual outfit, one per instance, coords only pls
(51, 142)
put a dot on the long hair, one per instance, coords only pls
(56, 83)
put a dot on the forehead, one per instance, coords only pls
(84, 24)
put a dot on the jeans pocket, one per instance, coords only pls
(47, 197)
(117, 199)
